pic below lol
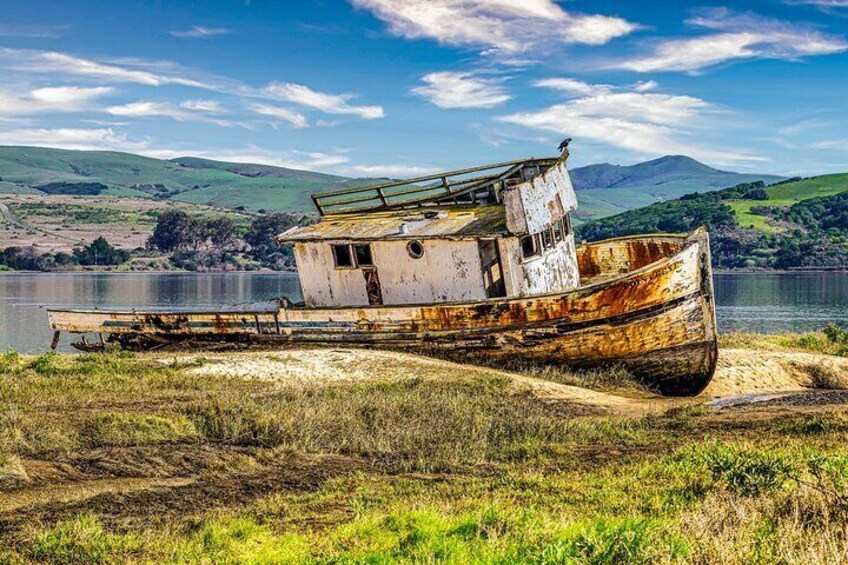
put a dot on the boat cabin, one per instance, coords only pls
(498, 231)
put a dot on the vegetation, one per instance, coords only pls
(455, 467)
(100, 253)
(809, 232)
(197, 181)
(75, 188)
(263, 245)
(30, 259)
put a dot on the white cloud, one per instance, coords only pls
(448, 89)
(296, 119)
(32, 30)
(390, 170)
(504, 25)
(302, 160)
(57, 63)
(49, 99)
(208, 106)
(329, 103)
(834, 144)
(181, 113)
(646, 86)
(69, 138)
(739, 36)
(821, 3)
(644, 123)
(71, 96)
(159, 73)
(200, 32)
(572, 86)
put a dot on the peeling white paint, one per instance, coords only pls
(555, 270)
(449, 271)
(534, 205)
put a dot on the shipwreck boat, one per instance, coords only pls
(475, 262)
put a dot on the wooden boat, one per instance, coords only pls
(643, 302)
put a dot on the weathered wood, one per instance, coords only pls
(648, 305)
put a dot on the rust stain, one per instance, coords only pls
(658, 317)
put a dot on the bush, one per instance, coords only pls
(100, 253)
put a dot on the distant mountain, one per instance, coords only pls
(606, 189)
(602, 189)
(188, 179)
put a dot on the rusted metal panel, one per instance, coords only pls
(658, 318)
(534, 205)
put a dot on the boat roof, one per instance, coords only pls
(420, 223)
(473, 185)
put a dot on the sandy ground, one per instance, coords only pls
(739, 372)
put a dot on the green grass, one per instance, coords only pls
(217, 183)
(784, 195)
(445, 468)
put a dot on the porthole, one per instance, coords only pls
(415, 249)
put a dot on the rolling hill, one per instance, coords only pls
(799, 223)
(603, 189)
(606, 189)
(198, 181)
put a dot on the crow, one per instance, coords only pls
(564, 145)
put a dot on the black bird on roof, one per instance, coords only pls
(564, 145)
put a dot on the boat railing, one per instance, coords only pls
(462, 185)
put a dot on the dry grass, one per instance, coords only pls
(119, 458)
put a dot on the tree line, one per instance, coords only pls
(814, 232)
(191, 243)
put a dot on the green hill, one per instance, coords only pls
(800, 223)
(193, 180)
(606, 189)
(603, 189)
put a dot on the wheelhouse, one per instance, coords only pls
(499, 231)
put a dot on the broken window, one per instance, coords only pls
(530, 246)
(547, 239)
(558, 228)
(566, 224)
(363, 255)
(343, 256)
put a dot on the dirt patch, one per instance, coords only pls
(739, 371)
(753, 371)
(74, 492)
(351, 366)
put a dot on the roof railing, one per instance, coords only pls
(408, 192)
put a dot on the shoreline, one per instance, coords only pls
(293, 272)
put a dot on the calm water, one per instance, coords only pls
(753, 302)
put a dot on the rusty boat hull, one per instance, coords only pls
(646, 304)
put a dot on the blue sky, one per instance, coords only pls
(401, 87)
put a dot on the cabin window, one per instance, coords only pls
(363, 255)
(415, 249)
(566, 224)
(530, 246)
(558, 229)
(547, 238)
(343, 256)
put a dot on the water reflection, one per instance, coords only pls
(749, 302)
(783, 302)
(24, 297)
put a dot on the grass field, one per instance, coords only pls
(193, 180)
(341, 458)
(787, 194)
